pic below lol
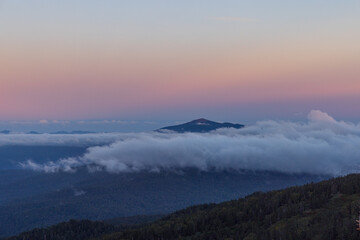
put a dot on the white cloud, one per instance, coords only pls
(63, 139)
(317, 115)
(60, 122)
(320, 146)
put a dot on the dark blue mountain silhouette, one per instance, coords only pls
(201, 125)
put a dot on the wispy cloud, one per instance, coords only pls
(322, 145)
(91, 139)
(236, 19)
(43, 121)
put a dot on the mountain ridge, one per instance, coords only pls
(323, 211)
(201, 125)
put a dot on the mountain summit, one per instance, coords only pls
(200, 125)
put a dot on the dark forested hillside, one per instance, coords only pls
(85, 229)
(325, 210)
(74, 230)
(99, 196)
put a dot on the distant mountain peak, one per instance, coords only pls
(200, 125)
(201, 121)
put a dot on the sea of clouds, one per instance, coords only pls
(321, 145)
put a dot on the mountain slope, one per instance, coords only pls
(200, 125)
(326, 210)
(74, 230)
(99, 196)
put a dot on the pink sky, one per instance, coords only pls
(121, 67)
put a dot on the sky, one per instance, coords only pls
(146, 63)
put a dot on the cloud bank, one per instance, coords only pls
(62, 139)
(321, 145)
